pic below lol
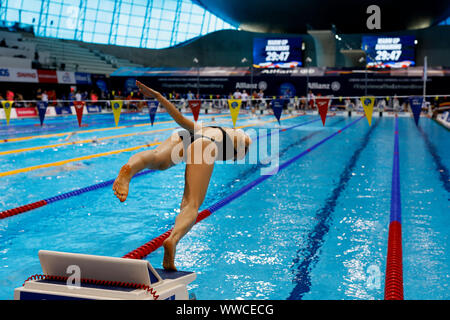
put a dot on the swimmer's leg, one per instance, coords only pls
(197, 178)
(159, 158)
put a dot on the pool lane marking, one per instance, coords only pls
(51, 135)
(444, 174)
(38, 204)
(147, 248)
(2, 153)
(306, 256)
(247, 173)
(104, 154)
(393, 289)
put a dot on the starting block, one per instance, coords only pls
(168, 285)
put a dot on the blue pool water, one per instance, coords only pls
(316, 230)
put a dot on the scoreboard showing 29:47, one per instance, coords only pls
(277, 52)
(390, 52)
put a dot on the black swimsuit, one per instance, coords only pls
(222, 146)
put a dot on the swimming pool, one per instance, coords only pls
(318, 229)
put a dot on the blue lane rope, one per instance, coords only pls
(216, 206)
(29, 207)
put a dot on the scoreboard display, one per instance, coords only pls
(277, 52)
(389, 52)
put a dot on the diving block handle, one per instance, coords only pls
(99, 267)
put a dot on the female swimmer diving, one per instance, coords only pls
(199, 147)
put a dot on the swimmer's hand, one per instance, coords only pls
(146, 91)
(170, 108)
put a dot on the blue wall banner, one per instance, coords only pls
(42, 109)
(277, 107)
(152, 108)
(63, 110)
(94, 109)
(83, 78)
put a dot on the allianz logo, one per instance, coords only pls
(335, 86)
(262, 85)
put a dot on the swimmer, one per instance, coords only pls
(70, 135)
(215, 143)
(65, 168)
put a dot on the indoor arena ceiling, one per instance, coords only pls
(349, 16)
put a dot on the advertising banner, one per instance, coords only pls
(63, 110)
(18, 75)
(47, 76)
(83, 78)
(65, 77)
(26, 112)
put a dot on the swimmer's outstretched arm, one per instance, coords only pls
(174, 113)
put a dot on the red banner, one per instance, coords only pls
(47, 76)
(26, 112)
(79, 107)
(195, 107)
(322, 106)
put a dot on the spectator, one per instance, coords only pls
(303, 103)
(261, 94)
(311, 99)
(3, 43)
(93, 97)
(52, 96)
(19, 99)
(244, 97)
(237, 94)
(190, 95)
(44, 96)
(396, 104)
(9, 95)
(39, 94)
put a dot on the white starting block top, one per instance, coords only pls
(169, 285)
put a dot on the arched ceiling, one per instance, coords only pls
(349, 16)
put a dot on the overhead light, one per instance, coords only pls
(416, 42)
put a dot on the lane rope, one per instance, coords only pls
(393, 289)
(14, 151)
(147, 248)
(41, 203)
(52, 135)
(103, 154)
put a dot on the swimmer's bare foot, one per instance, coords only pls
(169, 254)
(122, 182)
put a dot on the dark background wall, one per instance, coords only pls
(229, 47)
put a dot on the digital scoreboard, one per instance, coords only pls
(277, 52)
(389, 52)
